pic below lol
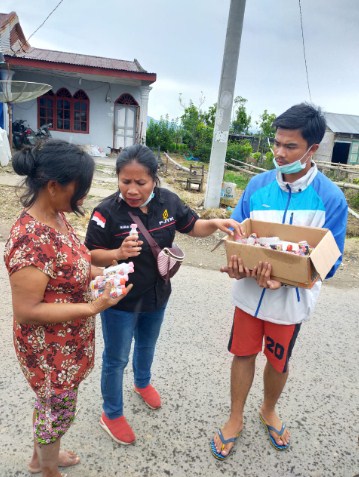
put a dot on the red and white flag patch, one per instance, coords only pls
(99, 219)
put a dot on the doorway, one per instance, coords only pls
(126, 110)
(341, 152)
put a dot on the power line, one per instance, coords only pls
(43, 23)
(305, 59)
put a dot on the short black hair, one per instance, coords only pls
(141, 154)
(54, 160)
(305, 117)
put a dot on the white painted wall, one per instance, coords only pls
(101, 112)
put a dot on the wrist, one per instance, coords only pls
(118, 254)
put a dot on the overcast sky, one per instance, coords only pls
(183, 41)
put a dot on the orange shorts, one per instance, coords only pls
(247, 337)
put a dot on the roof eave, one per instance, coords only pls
(90, 70)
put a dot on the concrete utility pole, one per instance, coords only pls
(224, 103)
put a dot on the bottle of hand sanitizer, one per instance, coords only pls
(133, 230)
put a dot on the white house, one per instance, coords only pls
(93, 100)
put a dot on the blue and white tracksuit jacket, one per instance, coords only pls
(314, 201)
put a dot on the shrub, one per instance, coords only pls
(352, 197)
(240, 150)
(257, 156)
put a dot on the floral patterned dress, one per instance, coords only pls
(53, 357)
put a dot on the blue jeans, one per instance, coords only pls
(119, 328)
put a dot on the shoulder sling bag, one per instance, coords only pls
(169, 259)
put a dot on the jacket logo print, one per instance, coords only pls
(166, 218)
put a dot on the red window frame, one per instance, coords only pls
(46, 108)
(81, 112)
(67, 113)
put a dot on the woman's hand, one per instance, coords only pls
(130, 247)
(236, 269)
(96, 271)
(262, 273)
(106, 301)
(226, 225)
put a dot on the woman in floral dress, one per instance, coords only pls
(50, 271)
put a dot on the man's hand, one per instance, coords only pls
(262, 273)
(236, 269)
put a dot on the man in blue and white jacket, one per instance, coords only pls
(295, 192)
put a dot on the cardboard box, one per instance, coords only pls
(288, 268)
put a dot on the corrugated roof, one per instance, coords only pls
(19, 48)
(5, 17)
(80, 60)
(342, 123)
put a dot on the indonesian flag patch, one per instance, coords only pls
(99, 219)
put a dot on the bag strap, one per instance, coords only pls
(151, 241)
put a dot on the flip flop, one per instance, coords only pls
(224, 441)
(273, 429)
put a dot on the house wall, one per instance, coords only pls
(325, 150)
(101, 124)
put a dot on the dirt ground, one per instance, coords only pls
(197, 250)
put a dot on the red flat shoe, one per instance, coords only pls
(119, 429)
(150, 396)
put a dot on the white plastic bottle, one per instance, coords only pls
(133, 230)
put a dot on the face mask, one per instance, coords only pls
(294, 167)
(150, 197)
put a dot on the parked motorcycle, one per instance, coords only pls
(22, 134)
(43, 132)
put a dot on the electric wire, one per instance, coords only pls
(43, 23)
(305, 58)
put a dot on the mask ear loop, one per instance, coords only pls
(270, 146)
(306, 152)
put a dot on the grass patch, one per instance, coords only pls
(240, 180)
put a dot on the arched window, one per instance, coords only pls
(46, 108)
(63, 110)
(127, 99)
(81, 111)
(66, 112)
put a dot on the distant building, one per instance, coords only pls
(341, 140)
(93, 100)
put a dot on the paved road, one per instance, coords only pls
(320, 403)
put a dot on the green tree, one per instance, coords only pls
(265, 124)
(209, 117)
(266, 130)
(162, 133)
(197, 133)
(190, 121)
(242, 121)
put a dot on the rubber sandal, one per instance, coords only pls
(270, 429)
(224, 441)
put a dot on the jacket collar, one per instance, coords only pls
(300, 184)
